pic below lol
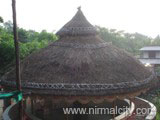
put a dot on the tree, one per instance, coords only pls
(30, 42)
(22, 35)
(156, 41)
(127, 41)
(8, 26)
(44, 35)
(1, 19)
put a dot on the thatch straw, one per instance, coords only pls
(78, 25)
(82, 64)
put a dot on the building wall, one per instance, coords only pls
(145, 55)
(158, 54)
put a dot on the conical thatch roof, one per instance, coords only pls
(81, 63)
(79, 25)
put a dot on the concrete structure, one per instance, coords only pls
(150, 55)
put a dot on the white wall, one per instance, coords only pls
(158, 54)
(145, 55)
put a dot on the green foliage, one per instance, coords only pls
(157, 70)
(30, 41)
(1, 19)
(129, 42)
(156, 102)
(23, 35)
(156, 41)
(6, 50)
(158, 116)
(30, 47)
(8, 27)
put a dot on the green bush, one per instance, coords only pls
(158, 116)
(30, 41)
(28, 48)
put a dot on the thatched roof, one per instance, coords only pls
(81, 63)
(78, 25)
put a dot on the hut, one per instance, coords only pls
(79, 68)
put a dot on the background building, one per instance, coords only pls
(150, 55)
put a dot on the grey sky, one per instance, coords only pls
(130, 15)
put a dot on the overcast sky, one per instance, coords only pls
(141, 16)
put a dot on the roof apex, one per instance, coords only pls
(79, 8)
(78, 25)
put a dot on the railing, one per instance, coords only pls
(127, 113)
(11, 113)
(152, 114)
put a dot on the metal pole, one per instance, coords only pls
(18, 78)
